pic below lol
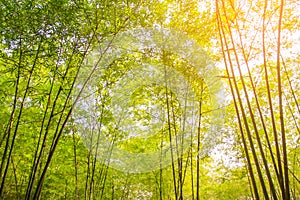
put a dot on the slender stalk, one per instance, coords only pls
(170, 133)
(290, 85)
(198, 144)
(58, 132)
(15, 177)
(88, 173)
(19, 116)
(261, 150)
(280, 173)
(256, 98)
(235, 100)
(161, 171)
(281, 113)
(99, 126)
(192, 171)
(12, 116)
(179, 160)
(75, 166)
(39, 150)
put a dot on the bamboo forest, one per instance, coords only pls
(150, 99)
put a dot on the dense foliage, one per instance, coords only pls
(50, 150)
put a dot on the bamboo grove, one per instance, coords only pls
(263, 132)
(160, 99)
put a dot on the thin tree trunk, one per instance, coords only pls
(75, 166)
(170, 133)
(199, 144)
(18, 119)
